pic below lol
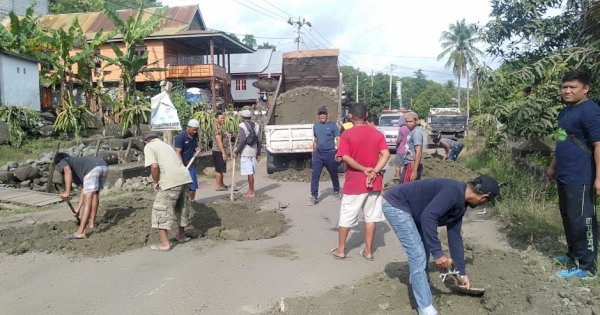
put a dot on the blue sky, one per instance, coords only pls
(371, 35)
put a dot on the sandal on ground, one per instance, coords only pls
(362, 254)
(224, 188)
(185, 240)
(336, 256)
(73, 237)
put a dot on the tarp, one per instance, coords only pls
(164, 114)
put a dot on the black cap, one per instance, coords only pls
(486, 185)
(151, 135)
(322, 110)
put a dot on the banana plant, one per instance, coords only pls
(133, 30)
(19, 119)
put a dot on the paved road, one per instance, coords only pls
(202, 276)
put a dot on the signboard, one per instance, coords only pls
(164, 114)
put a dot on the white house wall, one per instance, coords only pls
(19, 82)
(251, 93)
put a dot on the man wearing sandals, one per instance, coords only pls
(415, 210)
(170, 181)
(249, 153)
(90, 173)
(365, 152)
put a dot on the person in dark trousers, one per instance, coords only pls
(186, 145)
(576, 170)
(89, 172)
(326, 135)
(415, 210)
(220, 143)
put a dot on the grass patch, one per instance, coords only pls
(32, 149)
(528, 207)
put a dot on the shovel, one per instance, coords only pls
(232, 168)
(475, 292)
(68, 201)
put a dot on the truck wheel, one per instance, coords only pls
(271, 168)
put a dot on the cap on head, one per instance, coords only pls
(193, 123)
(246, 114)
(486, 185)
(322, 110)
(150, 135)
(411, 115)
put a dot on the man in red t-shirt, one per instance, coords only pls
(365, 152)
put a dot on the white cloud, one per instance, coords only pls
(361, 29)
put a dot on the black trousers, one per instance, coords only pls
(577, 209)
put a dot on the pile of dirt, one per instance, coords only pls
(300, 105)
(434, 167)
(515, 284)
(124, 224)
(303, 176)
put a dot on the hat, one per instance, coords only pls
(487, 186)
(246, 114)
(412, 115)
(193, 123)
(322, 110)
(150, 135)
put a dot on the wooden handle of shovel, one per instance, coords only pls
(232, 168)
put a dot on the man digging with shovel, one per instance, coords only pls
(415, 210)
(90, 173)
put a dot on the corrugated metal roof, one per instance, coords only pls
(177, 19)
(262, 61)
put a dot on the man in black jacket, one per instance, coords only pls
(415, 210)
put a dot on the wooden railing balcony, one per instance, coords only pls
(196, 71)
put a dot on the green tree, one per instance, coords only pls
(75, 6)
(249, 41)
(434, 95)
(21, 36)
(458, 44)
(375, 96)
(533, 28)
(266, 45)
(130, 107)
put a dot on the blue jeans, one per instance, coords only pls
(405, 228)
(454, 152)
(320, 160)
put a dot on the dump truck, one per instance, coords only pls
(446, 122)
(310, 79)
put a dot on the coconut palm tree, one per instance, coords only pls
(458, 43)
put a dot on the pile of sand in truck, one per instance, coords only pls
(299, 105)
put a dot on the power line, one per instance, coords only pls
(274, 6)
(267, 10)
(261, 12)
(383, 55)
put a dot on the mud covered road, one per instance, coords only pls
(266, 255)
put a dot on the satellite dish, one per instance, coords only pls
(266, 84)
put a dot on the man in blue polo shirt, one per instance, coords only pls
(415, 210)
(575, 168)
(186, 144)
(326, 135)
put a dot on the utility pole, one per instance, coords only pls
(399, 88)
(372, 86)
(391, 74)
(357, 87)
(299, 23)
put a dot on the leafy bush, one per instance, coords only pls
(528, 207)
(20, 120)
(73, 119)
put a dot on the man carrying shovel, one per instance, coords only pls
(415, 210)
(90, 173)
(186, 147)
